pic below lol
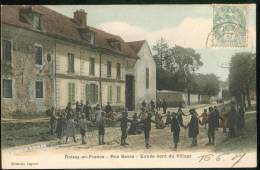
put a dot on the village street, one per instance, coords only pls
(42, 153)
(160, 139)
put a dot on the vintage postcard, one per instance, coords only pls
(128, 86)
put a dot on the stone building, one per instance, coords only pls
(49, 59)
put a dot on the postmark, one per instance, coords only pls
(230, 26)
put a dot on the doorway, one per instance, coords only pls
(129, 92)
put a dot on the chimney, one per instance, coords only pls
(81, 17)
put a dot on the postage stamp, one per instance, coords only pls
(230, 26)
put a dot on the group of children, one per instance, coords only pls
(68, 121)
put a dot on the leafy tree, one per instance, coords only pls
(187, 62)
(242, 76)
(161, 50)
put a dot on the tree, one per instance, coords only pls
(187, 62)
(206, 84)
(161, 50)
(242, 76)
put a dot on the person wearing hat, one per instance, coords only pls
(101, 127)
(211, 120)
(124, 120)
(193, 126)
(71, 128)
(83, 127)
(147, 128)
(175, 129)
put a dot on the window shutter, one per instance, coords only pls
(96, 93)
(73, 92)
(87, 93)
(69, 92)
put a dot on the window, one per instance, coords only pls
(7, 51)
(38, 54)
(39, 89)
(115, 45)
(36, 21)
(70, 62)
(92, 93)
(109, 64)
(7, 88)
(147, 78)
(109, 94)
(89, 37)
(118, 71)
(92, 66)
(71, 92)
(118, 94)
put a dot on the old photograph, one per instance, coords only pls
(128, 86)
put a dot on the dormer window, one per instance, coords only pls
(36, 21)
(32, 16)
(89, 37)
(115, 44)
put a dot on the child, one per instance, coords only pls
(70, 130)
(204, 116)
(134, 124)
(159, 123)
(168, 119)
(123, 126)
(175, 129)
(61, 126)
(193, 126)
(83, 128)
(101, 128)
(147, 128)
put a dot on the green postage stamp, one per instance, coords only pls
(230, 25)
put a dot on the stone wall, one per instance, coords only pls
(24, 72)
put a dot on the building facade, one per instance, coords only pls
(49, 59)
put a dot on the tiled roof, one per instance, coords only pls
(136, 45)
(56, 24)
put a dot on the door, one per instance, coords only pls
(129, 92)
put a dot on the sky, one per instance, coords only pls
(184, 25)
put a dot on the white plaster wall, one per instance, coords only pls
(62, 86)
(145, 61)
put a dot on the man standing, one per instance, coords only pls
(175, 129)
(232, 119)
(164, 105)
(216, 116)
(212, 124)
(193, 126)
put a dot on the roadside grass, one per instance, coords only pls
(246, 140)
(15, 134)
